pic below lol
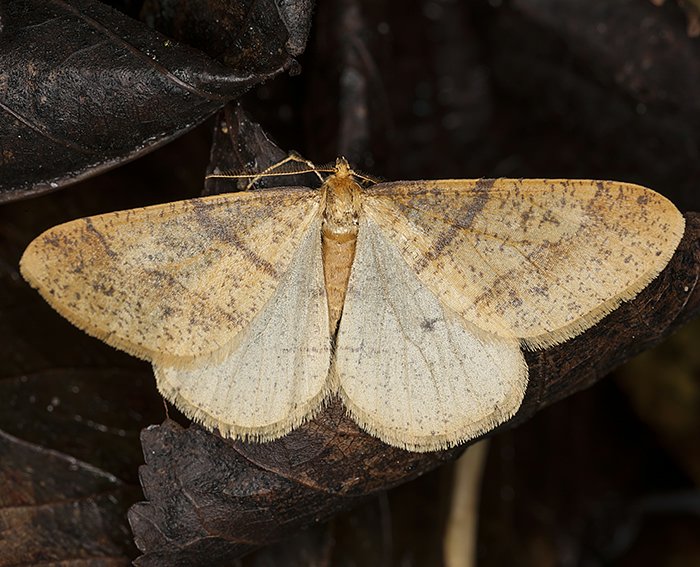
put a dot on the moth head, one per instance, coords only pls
(342, 167)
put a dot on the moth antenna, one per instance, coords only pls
(303, 165)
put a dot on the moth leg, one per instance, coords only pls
(295, 165)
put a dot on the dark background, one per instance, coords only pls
(405, 90)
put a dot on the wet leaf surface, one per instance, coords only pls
(84, 87)
(237, 33)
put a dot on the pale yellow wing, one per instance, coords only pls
(408, 369)
(274, 376)
(538, 260)
(173, 281)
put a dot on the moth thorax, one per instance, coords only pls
(342, 201)
(340, 224)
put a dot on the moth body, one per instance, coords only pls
(341, 210)
(410, 301)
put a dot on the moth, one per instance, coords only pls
(411, 301)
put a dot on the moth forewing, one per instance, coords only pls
(536, 260)
(176, 281)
